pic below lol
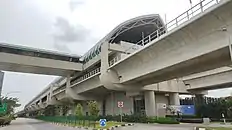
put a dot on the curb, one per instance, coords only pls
(199, 128)
(115, 127)
(111, 128)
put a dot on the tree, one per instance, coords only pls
(12, 103)
(79, 110)
(93, 108)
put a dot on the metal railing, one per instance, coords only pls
(87, 75)
(115, 59)
(184, 17)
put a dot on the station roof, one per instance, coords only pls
(129, 31)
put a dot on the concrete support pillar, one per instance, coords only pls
(68, 79)
(69, 91)
(104, 57)
(112, 102)
(150, 104)
(174, 99)
(61, 111)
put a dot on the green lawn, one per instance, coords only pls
(109, 124)
(218, 128)
(97, 125)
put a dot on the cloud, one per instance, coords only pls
(69, 33)
(73, 4)
(66, 33)
(61, 47)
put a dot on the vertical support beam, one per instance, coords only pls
(68, 91)
(230, 47)
(104, 57)
(50, 93)
(174, 99)
(68, 81)
(112, 102)
(1, 81)
(150, 104)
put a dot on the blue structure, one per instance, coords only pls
(102, 122)
(187, 109)
(183, 109)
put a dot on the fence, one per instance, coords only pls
(85, 121)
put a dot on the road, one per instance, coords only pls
(31, 124)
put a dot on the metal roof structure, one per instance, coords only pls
(132, 30)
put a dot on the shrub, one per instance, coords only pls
(5, 120)
(93, 108)
(79, 110)
(182, 116)
(165, 120)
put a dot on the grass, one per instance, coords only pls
(94, 124)
(218, 128)
(109, 124)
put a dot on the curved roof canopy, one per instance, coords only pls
(132, 31)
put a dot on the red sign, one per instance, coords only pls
(120, 104)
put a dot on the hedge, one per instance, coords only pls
(117, 118)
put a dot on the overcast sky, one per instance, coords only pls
(71, 26)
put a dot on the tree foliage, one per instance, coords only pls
(215, 109)
(93, 108)
(79, 110)
(12, 103)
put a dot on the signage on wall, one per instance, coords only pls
(120, 104)
(162, 105)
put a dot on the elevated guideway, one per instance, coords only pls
(196, 41)
(190, 45)
(37, 61)
(214, 79)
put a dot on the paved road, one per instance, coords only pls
(156, 127)
(31, 124)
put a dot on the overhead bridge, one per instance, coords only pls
(214, 79)
(37, 61)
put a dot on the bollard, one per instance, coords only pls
(206, 121)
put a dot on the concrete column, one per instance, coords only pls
(112, 103)
(150, 104)
(174, 99)
(68, 81)
(61, 111)
(104, 57)
(69, 91)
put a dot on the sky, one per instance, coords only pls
(71, 26)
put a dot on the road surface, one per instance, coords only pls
(31, 124)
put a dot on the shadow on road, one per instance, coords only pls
(26, 123)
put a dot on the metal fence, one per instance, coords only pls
(176, 22)
(75, 121)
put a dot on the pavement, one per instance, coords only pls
(32, 124)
